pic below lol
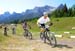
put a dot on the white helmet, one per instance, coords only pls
(45, 13)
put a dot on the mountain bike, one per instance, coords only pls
(27, 34)
(47, 35)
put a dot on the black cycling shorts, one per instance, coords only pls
(42, 25)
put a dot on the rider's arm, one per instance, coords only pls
(38, 24)
(29, 26)
(48, 21)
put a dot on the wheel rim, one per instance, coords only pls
(52, 38)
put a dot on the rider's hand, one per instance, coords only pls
(51, 24)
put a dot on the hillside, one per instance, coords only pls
(59, 25)
(63, 24)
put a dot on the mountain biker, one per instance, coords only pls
(26, 26)
(43, 21)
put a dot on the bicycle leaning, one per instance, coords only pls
(47, 35)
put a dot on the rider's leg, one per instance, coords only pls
(41, 32)
(26, 32)
(5, 33)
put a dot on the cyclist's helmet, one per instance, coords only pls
(45, 13)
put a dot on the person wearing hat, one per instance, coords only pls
(42, 21)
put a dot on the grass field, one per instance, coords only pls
(63, 24)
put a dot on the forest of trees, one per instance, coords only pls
(64, 12)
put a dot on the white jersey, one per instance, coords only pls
(41, 20)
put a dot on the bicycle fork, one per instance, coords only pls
(45, 36)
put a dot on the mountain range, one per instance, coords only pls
(28, 14)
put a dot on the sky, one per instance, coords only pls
(22, 5)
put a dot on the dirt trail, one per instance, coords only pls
(20, 43)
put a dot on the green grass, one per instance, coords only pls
(64, 24)
(2, 37)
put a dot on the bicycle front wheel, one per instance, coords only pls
(52, 39)
(30, 35)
